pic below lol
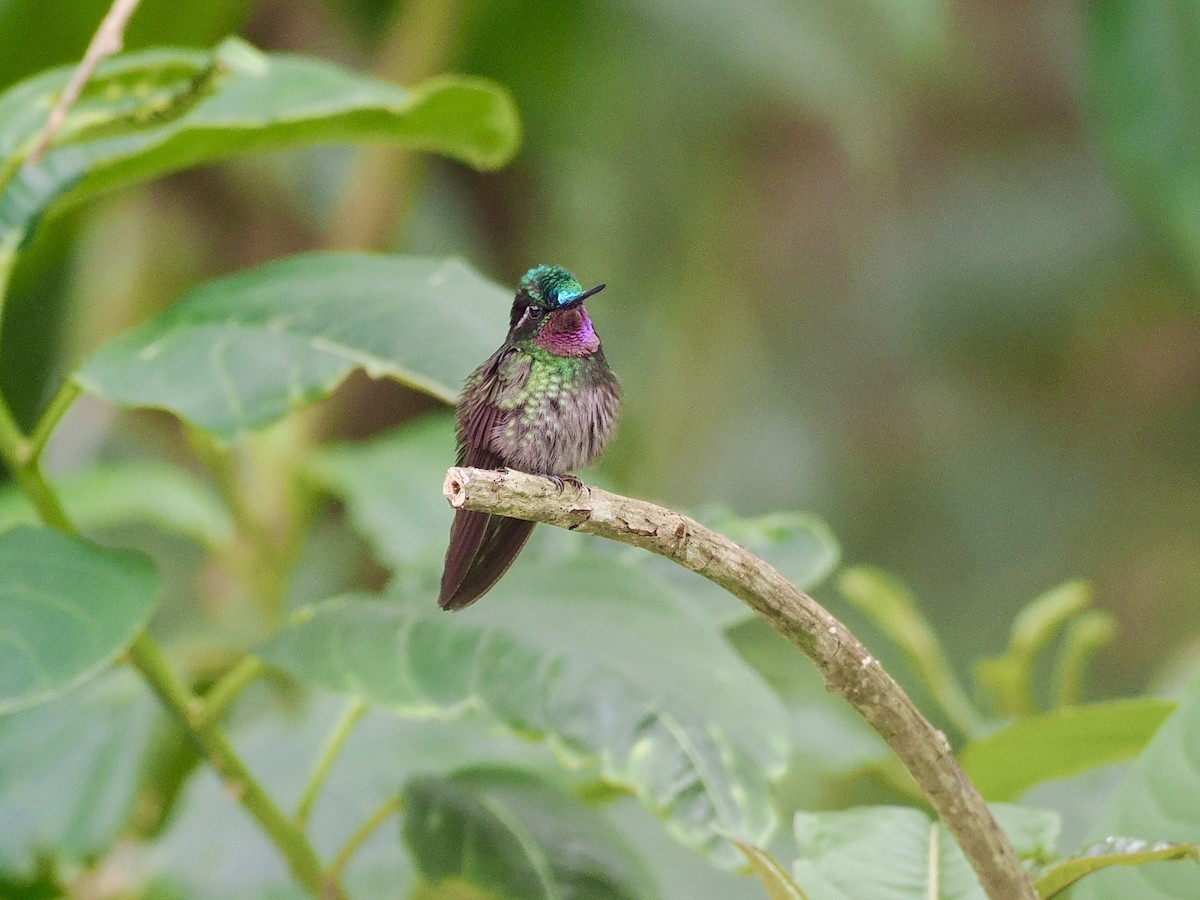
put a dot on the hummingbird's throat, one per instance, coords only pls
(569, 332)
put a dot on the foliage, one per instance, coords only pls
(503, 752)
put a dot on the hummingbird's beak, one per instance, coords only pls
(571, 304)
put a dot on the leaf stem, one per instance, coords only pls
(386, 810)
(1084, 637)
(226, 689)
(257, 558)
(16, 450)
(107, 40)
(59, 404)
(333, 746)
(8, 261)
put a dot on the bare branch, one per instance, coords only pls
(844, 662)
(108, 39)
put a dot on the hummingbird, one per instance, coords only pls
(545, 403)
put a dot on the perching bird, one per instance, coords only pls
(545, 403)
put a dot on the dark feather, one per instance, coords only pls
(482, 546)
(496, 542)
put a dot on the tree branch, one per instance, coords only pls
(844, 662)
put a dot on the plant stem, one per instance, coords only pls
(107, 40)
(385, 811)
(53, 414)
(226, 689)
(148, 658)
(8, 260)
(842, 659)
(333, 746)
(16, 449)
(256, 556)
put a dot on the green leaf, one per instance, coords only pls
(775, 879)
(1159, 800)
(1009, 677)
(67, 608)
(241, 352)
(70, 772)
(517, 837)
(160, 111)
(892, 608)
(44, 33)
(898, 853)
(829, 739)
(1111, 852)
(109, 495)
(1085, 636)
(588, 654)
(799, 545)
(1060, 744)
(1145, 76)
(392, 487)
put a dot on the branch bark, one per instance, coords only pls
(844, 662)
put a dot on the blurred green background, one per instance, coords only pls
(926, 269)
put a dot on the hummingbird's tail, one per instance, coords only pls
(482, 547)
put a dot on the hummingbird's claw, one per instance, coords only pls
(559, 480)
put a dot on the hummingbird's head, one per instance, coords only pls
(549, 308)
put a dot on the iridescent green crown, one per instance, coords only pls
(551, 285)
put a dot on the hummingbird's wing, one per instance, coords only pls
(482, 546)
(500, 540)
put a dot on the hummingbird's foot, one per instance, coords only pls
(559, 480)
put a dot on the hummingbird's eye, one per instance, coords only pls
(535, 311)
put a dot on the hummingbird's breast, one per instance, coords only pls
(559, 412)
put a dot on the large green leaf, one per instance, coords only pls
(158, 111)
(588, 654)
(799, 545)
(1060, 744)
(118, 494)
(70, 770)
(1145, 77)
(1159, 800)
(240, 352)
(392, 487)
(67, 608)
(897, 853)
(518, 837)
